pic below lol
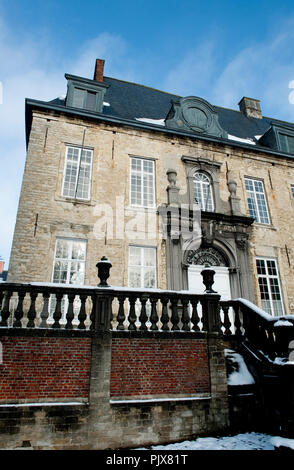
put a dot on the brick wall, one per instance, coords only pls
(44, 368)
(141, 366)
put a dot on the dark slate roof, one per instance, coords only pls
(132, 101)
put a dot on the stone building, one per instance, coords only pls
(161, 185)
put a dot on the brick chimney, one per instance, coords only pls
(1, 266)
(250, 107)
(99, 70)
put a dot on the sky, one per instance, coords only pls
(218, 50)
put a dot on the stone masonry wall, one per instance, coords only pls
(33, 246)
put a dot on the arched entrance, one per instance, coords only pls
(197, 259)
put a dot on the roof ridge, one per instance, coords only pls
(144, 86)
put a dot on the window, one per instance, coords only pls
(68, 268)
(256, 201)
(142, 187)
(142, 267)
(287, 143)
(84, 99)
(77, 173)
(203, 192)
(69, 261)
(292, 190)
(269, 286)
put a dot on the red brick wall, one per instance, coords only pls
(44, 368)
(158, 366)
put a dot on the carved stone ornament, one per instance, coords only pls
(196, 115)
(206, 256)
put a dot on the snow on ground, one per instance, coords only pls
(246, 441)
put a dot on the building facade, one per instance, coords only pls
(160, 184)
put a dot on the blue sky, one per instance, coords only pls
(219, 50)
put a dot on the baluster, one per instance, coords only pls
(70, 312)
(92, 314)
(204, 318)
(237, 321)
(5, 313)
(132, 314)
(195, 317)
(226, 323)
(82, 314)
(45, 310)
(57, 313)
(143, 315)
(185, 316)
(175, 316)
(154, 316)
(18, 314)
(121, 313)
(32, 310)
(164, 316)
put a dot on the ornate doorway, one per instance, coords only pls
(197, 259)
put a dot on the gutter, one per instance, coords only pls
(29, 103)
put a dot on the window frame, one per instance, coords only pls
(69, 260)
(255, 200)
(142, 266)
(211, 191)
(268, 277)
(68, 146)
(142, 205)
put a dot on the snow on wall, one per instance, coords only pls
(240, 374)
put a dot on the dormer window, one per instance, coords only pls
(85, 94)
(287, 143)
(203, 191)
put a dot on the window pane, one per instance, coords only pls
(69, 261)
(142, 267)
(269, 286)
(78, 98)
(203, 192)
(77, 174)
(91, 101)
(256, 201)
(142, 191)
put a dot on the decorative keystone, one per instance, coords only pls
(103, 266)
(208, 280)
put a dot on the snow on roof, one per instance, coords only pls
(239, 139)
(240, 374)
(159, 122)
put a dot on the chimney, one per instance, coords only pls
(250, 107)
(1, 266)
(99, 70)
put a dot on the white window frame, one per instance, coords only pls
(268, 276)
(142, 266)
(149, 160)
(69, 259)
(77, 175)
(203, 204)
(253, 194)
(64, 303)
(292, 191)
